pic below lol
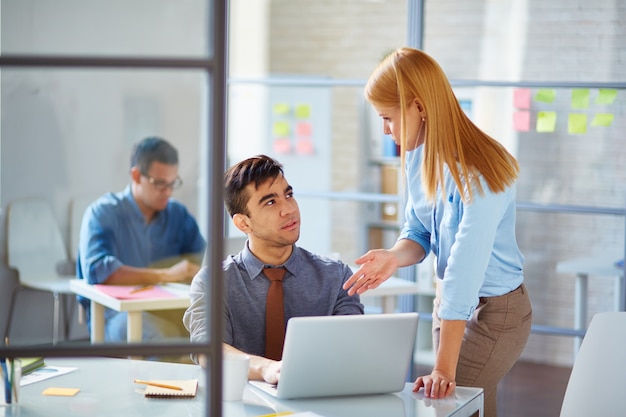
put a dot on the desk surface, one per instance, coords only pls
(107, 389)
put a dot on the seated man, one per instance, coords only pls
(261, 203)
(124, 235)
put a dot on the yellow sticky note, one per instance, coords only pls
(280, 129)
(606, 96)
(303, 111)
(62, 392)
(577, 124)
(602, 119)
(580, 98)
(280, 109)
(545, 95)
(546, 121)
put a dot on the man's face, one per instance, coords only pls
(155, 188)
(273, 218)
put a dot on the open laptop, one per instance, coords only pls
(345, 355)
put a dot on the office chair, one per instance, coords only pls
(35, 248)
(596, 384)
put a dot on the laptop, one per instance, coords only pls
(326, 356)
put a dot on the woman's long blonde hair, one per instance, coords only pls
(451, 138)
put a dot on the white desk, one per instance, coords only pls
(107, 389)
(389, 291)
(100, 300)
(583, 268)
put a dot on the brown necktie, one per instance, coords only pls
(274, 314)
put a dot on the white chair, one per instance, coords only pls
(596, 384)
(35, 248)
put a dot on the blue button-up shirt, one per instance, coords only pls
(475, 244)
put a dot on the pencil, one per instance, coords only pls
(158, 384)
(142, 288)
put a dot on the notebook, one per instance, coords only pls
(345, 355)
(189, 388)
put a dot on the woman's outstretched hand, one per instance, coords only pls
(375, 267)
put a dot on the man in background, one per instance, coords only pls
(262, 205)
(125, 235)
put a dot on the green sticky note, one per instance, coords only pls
(602, 119)
(280, 129)
(303, 111)
(280, 109)
(545, 95)
(546, 121)
(577, 124)
(580, 98)
(606, 96)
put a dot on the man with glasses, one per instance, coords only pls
(141, 236)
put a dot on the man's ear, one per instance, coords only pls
(135, 174)
(242, 222)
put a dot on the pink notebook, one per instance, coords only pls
(129, 292)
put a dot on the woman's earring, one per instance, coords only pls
(423, 119)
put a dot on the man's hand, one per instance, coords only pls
(183, 271)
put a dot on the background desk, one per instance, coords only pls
(100, 300)
(583, 268)
(388, 292)
(107, 389)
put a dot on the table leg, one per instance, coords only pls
(97, 322)
(389, 303)
(134, 325)
(580, 307)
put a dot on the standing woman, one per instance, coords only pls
(460, 205)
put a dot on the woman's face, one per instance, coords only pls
(392, 124)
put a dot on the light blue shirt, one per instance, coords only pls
(114, 233)
(475, 244)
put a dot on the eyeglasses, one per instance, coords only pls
(164, 185)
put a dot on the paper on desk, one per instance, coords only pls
(44, 373)
(125, 292)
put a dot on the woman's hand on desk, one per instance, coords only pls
(436, 385)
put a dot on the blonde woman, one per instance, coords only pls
(460, 205)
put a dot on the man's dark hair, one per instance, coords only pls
(152, 149)
(255, 170)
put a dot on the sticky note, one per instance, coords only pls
(546, 121)
(521, 121)
(281, 146)
(606, 96)
(62, 392)
(521, 98)
(303, 111)
(303, 129)
(280, 129)
(602, 119)
(545, 95)
(580, 98)
(280, 109)
(305, 147)
(577, 124)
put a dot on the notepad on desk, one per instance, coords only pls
(188, 389)
(131, 292)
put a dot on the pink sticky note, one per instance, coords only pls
(521, 121)
(281, 146)
(521, 98)
(305, 147)
(303, 129)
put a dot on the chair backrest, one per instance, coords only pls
(78, 205)
(34, 243)
(596, 384)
